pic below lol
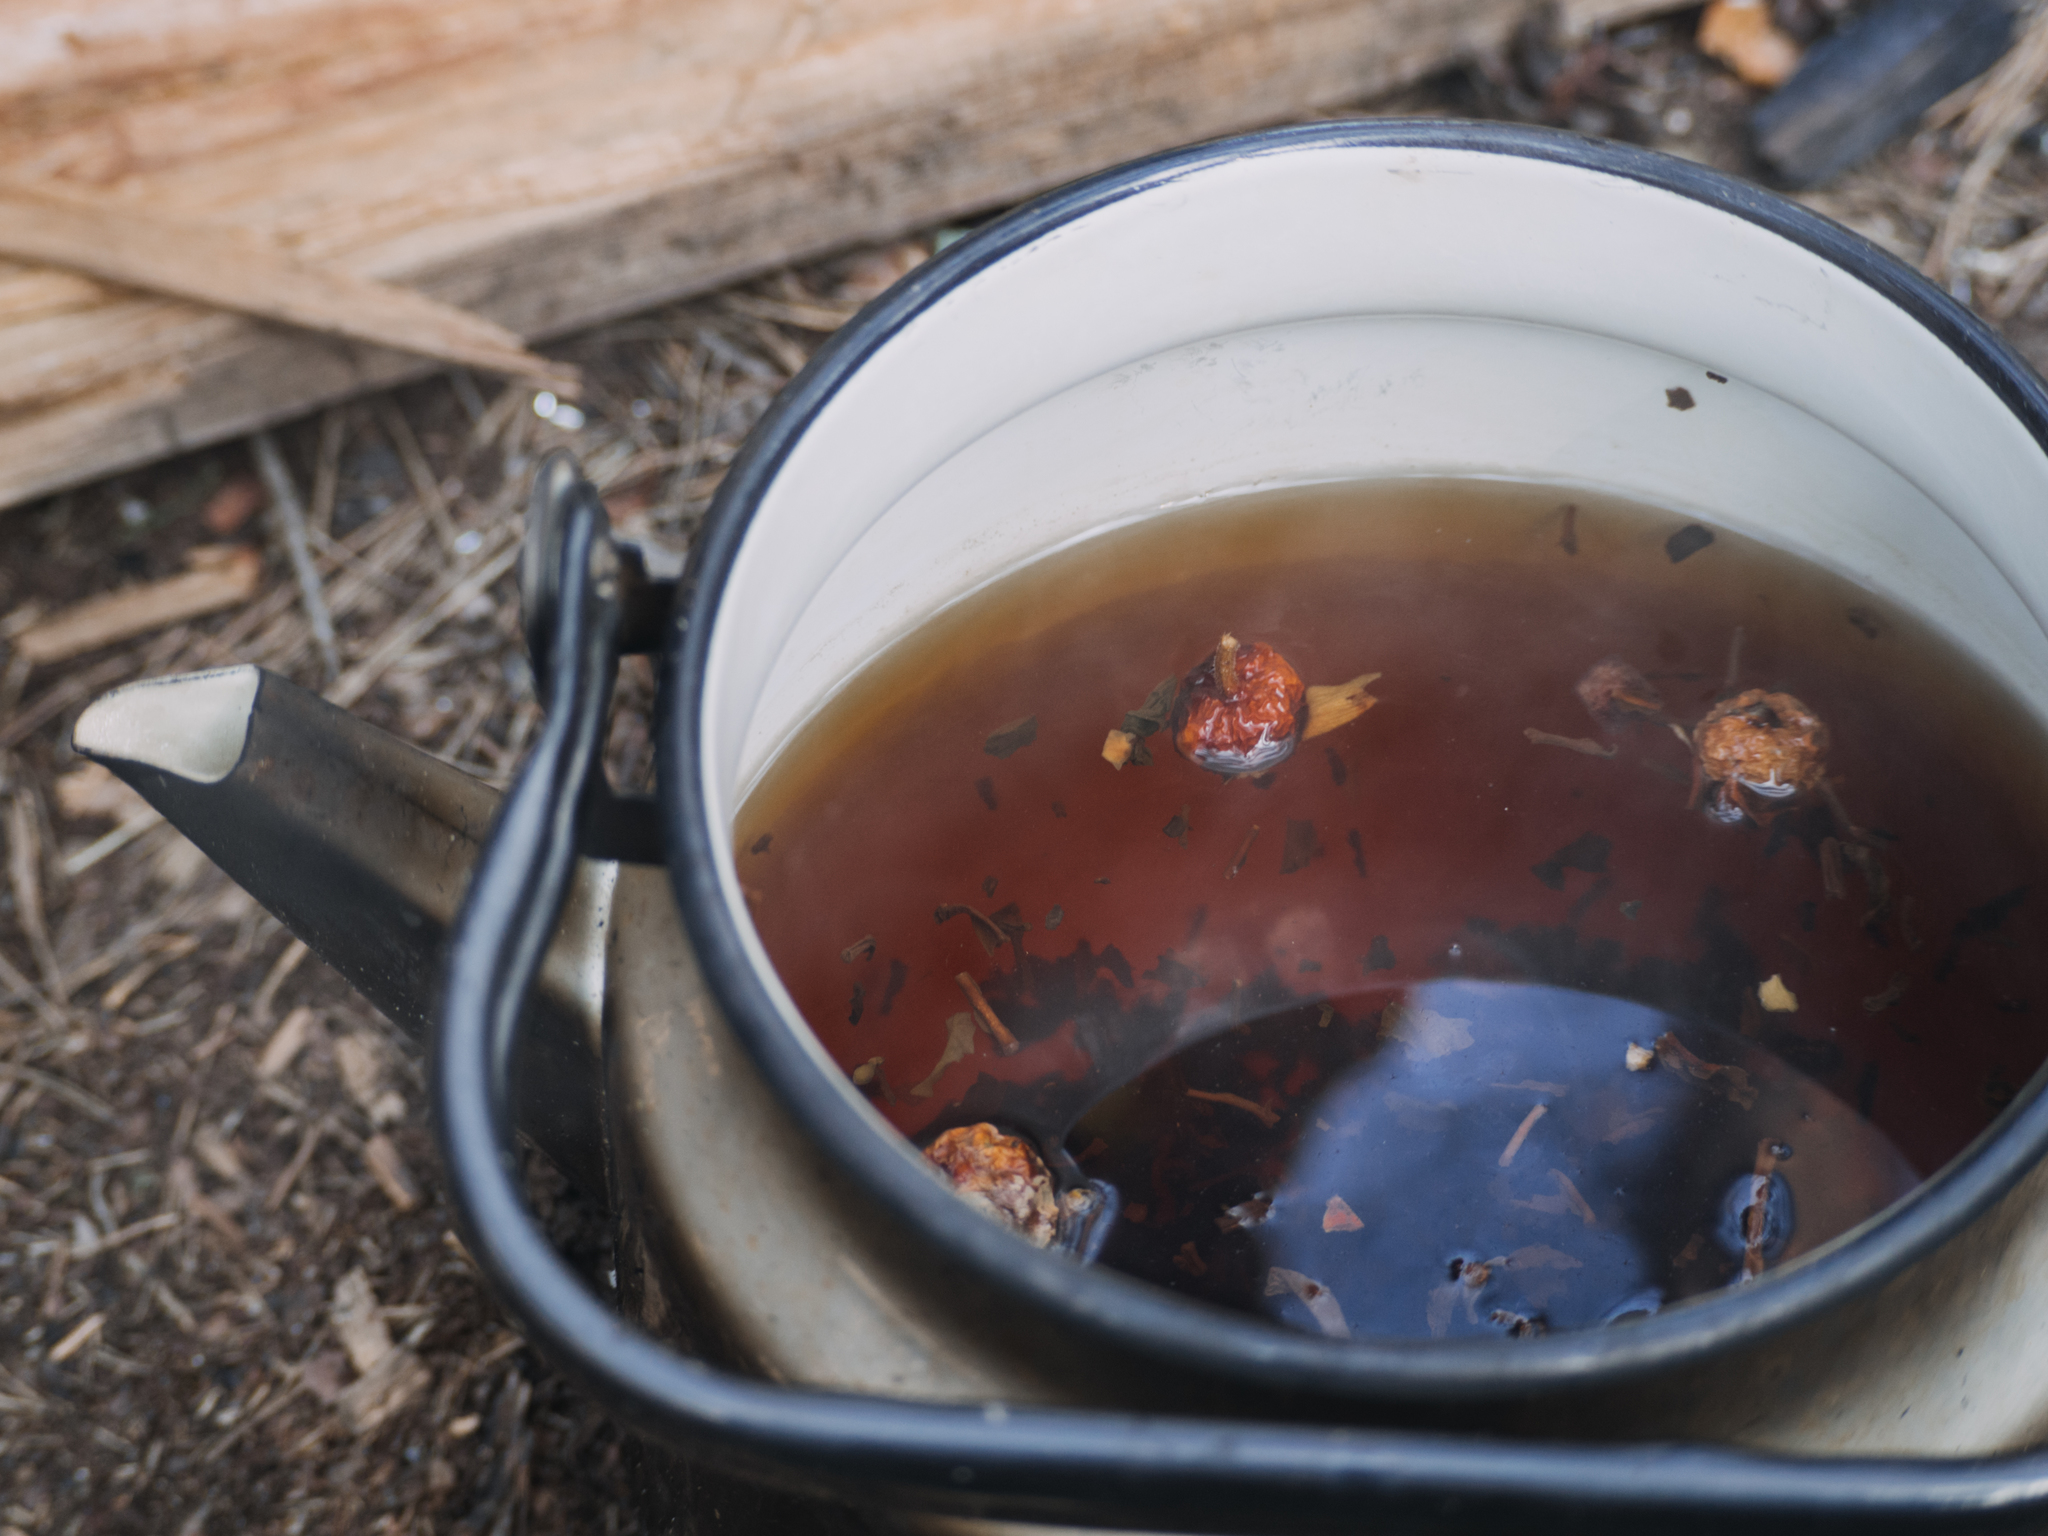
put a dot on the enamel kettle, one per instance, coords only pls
(801, 1308)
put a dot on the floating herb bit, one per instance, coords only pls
(1339, 1217)
(959, 1046)
(1002, 1176)
(1333, 704)
(1612, 691)
(1760, 744)
(1322, 1306)
(1246, 1213)
(1731, 1082)
(1126, 744)
(859, 949)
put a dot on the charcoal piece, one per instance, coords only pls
(1860, 89)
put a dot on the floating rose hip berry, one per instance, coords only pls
(1003, 1175)
(1757, 743)
(1242, 710)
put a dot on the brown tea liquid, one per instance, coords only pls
(1349, 1041)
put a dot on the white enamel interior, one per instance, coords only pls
(1338, 312)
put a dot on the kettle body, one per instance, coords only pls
(1310, 304)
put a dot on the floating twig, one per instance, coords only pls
(1570, 743)
(1267, 1117)
(1522, 1131)
(1005, 1041)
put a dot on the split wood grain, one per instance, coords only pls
(606, 158)
(140, 249)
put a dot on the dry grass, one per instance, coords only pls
(218, 1191)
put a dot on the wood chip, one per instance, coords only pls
(1117, 748)
(360, 1058)
(78, 1338)
(384, 1391)
(219, 578)
(1742, 35)
(293, 956)
(1583, 744)
(381, 1157)
(182, 1181)
(1313, 1294)
(219, 1155)
(285, 1043)
(358, 1321)
(228, 508)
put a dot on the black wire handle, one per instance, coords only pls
(1053, 1464)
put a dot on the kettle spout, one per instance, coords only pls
(361, 845)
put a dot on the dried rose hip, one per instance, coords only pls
(1001, 1174)
(1758, 743)
(1242, 710)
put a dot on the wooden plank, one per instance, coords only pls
(658, 150)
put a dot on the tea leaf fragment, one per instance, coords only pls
(1014, 737)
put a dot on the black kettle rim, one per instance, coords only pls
(1148, 1319)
